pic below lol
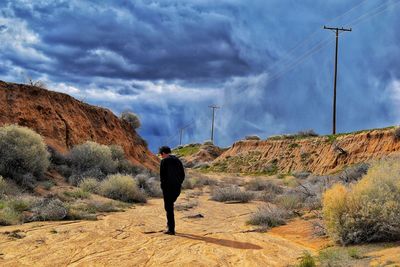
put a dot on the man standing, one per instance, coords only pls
(172, 175)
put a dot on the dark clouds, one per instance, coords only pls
(168, 60)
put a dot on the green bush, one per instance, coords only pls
(232, 193)
(89, 185)
(22, 152)
(122, 187)
(368, 210)
(131, 118)
(8, 216)
(307, 260)
(91, 155)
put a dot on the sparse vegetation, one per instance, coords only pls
(23, 155)
(131, 118)
(252, 137)
(187, 150)
(232, 193)
(367, 211)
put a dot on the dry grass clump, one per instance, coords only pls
(122, 187)
(368, 210)
(258, 184)
(232, 193)
(131, 118)
(269, 215)
(23, 155)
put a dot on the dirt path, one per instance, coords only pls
(132, 238)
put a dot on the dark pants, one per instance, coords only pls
(169, 199)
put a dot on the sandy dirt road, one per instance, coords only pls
(133, 238)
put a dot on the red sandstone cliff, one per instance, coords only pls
(319, 155)
(64, 121)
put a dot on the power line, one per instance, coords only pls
(337, 30)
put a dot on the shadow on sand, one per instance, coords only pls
(221, 242)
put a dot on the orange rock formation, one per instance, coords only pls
(64, 121)
(319, 155)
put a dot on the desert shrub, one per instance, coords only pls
(126, 167)
(131, 118)
(117, 152)
(269, 215)
(188, 184)
(354, 173)
(122, 187)
(307, 133)
(22, 152)
(307, 260)
(49, 209)
(149, 185)
(291, 200)
(89, 185)
(258, 184)
(368, 210)
(396, 133)
(90, 155)
(8, 216)
(232, 193)
(3, 186)
(208, 143)
(78, 177)
(252, 137)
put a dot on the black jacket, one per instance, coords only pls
(172, 174)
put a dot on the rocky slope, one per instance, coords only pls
(64, 121)
(196, 155)
(319, 155)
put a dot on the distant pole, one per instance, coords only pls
(335, 80)
(180, 138)
(212, 124)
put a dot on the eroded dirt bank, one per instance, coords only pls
(318, 155)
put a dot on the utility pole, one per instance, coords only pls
(180, 138)
(337, 30)
(212, 124)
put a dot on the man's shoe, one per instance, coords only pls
(169, 232)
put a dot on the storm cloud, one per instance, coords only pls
(267, 64)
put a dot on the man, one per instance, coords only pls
(172, 175)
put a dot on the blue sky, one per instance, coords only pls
(267, 64)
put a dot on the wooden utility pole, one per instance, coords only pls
(337, 30)
(212, 124)
(180, 137)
